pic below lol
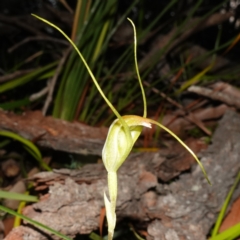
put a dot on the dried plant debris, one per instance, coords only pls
(82, 139)
(184, 208)
(220, 91)
(55, 133)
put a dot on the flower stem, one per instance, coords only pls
(110, 212)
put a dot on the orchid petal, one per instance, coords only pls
(118, 145)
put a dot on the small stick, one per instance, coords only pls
(37, 38)
(216, 95)
(16, 74)
(189, 117)
(54, 80)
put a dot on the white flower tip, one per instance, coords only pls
(146, 124)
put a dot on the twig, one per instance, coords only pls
(54, 80)
(190, 117)
(20, 23)
(37, 38)
(163, 95)
(16, 74)
(196, 26)
(216, 95)
(33, 56)
(65, 4)
(62, 16)
(41, 93)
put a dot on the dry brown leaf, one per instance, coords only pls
(233, 216)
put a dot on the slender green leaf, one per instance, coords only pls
(229, 234)
(34, 223)
(15, 104)
(224, 207)
(18, 196)
(25, 79)
(30, 147)
(4, 143)
(194, 79)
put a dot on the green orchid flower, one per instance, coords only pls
(122, 135)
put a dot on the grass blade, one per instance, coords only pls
(30, 147)
(224, 207)
(18, 196)
(229, 234)
(34, 223)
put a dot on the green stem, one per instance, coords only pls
(110, 236)
(112, 188)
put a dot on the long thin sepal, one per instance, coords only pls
(137, 70)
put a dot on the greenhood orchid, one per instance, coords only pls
(121, 137)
